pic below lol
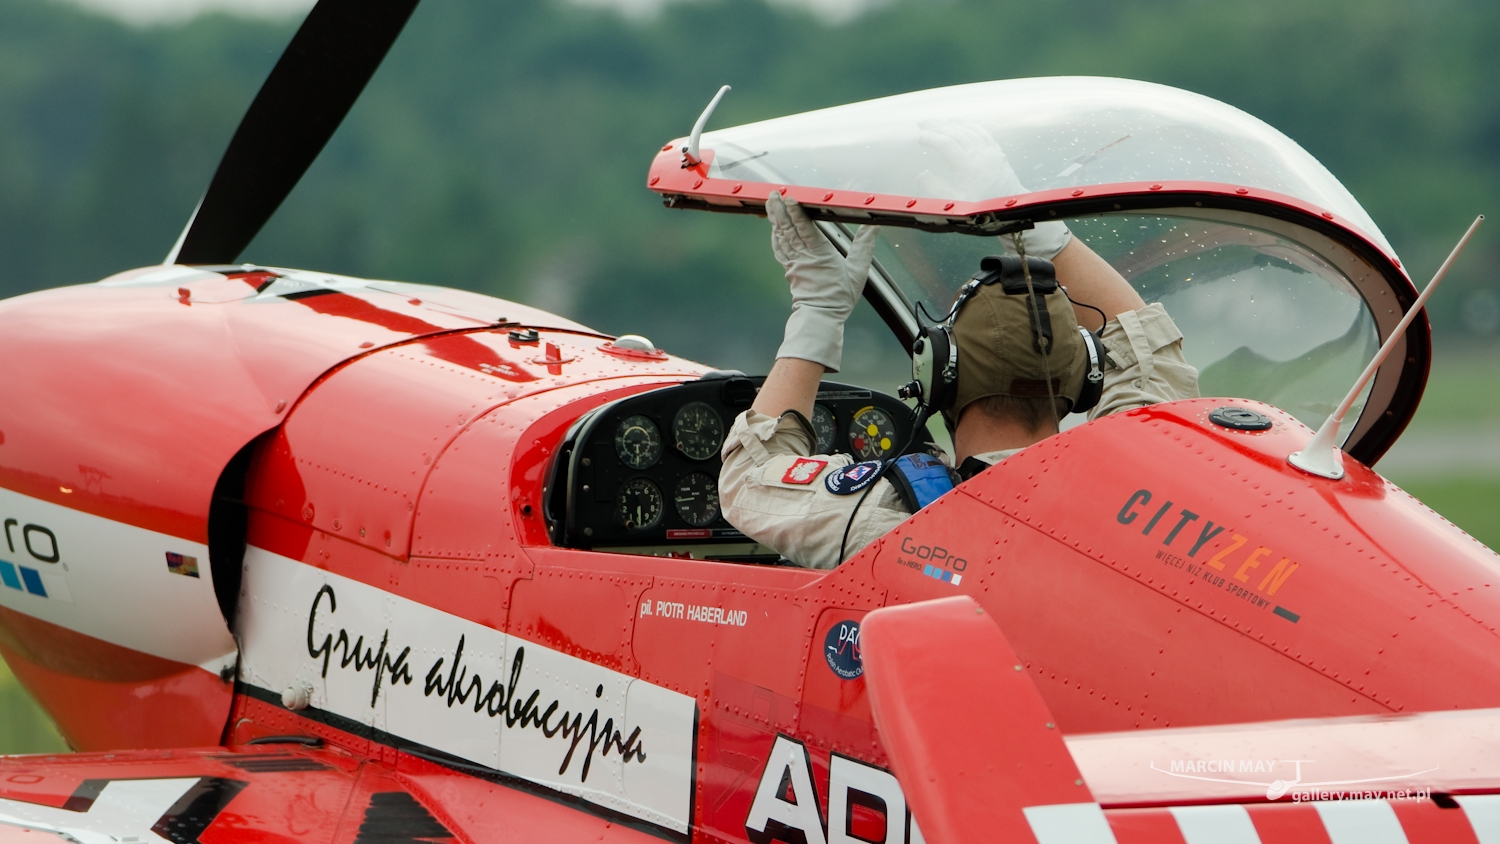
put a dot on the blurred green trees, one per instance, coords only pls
(504, 144)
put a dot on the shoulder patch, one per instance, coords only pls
(852, 478)
(804, 471)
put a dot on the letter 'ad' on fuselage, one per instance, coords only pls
(402, 668)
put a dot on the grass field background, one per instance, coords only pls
(1449, 457)
(24, 727)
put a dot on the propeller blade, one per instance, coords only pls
(312, 87)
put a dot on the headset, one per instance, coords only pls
(934, 353)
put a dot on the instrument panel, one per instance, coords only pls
(644, 471)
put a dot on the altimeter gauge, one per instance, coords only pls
(698, 431)
(638, 442)
(639, 505)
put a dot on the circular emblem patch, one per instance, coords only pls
(853, 478)
(841, 649)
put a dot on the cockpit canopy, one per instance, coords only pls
(1282, 284)
(1058, 132)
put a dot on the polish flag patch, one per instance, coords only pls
(804, 471)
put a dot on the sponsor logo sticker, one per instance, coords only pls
(852, 479)
(804, 471)
(1253, 577)
(943, 575)
(934, 561)
(22, 578)
(40, 544)
(182, 564)
(841, 650)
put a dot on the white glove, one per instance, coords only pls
(825, 284)
(983, 172)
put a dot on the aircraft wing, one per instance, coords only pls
(981, 758)
(274, 793)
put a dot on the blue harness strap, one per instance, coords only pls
(921, 479)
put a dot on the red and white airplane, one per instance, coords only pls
(296, 556)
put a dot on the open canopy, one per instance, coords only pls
(1058, 132)
(1282, 284)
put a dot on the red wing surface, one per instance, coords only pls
(273, 793)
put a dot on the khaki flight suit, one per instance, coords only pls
(773, 489)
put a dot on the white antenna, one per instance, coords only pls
(1322, 457)
(690, 152)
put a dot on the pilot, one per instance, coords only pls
(1014, 382)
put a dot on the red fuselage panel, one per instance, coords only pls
(1155, 569)
(128, 401)
(129, 398)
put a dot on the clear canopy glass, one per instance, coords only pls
(1057, 132)
(1262, 317)
(1269, 309)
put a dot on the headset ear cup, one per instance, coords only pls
(921, 367)
(1093, 387)
(942, 387)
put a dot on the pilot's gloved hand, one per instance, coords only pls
(982, 171)
(825, 284)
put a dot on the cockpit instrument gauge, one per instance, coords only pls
(825, 427)
(872, 434)
(638, 442)
(697, 499)
(639, 505)
(698, 431)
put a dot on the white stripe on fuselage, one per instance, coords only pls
(111, 581)
(456, 686)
